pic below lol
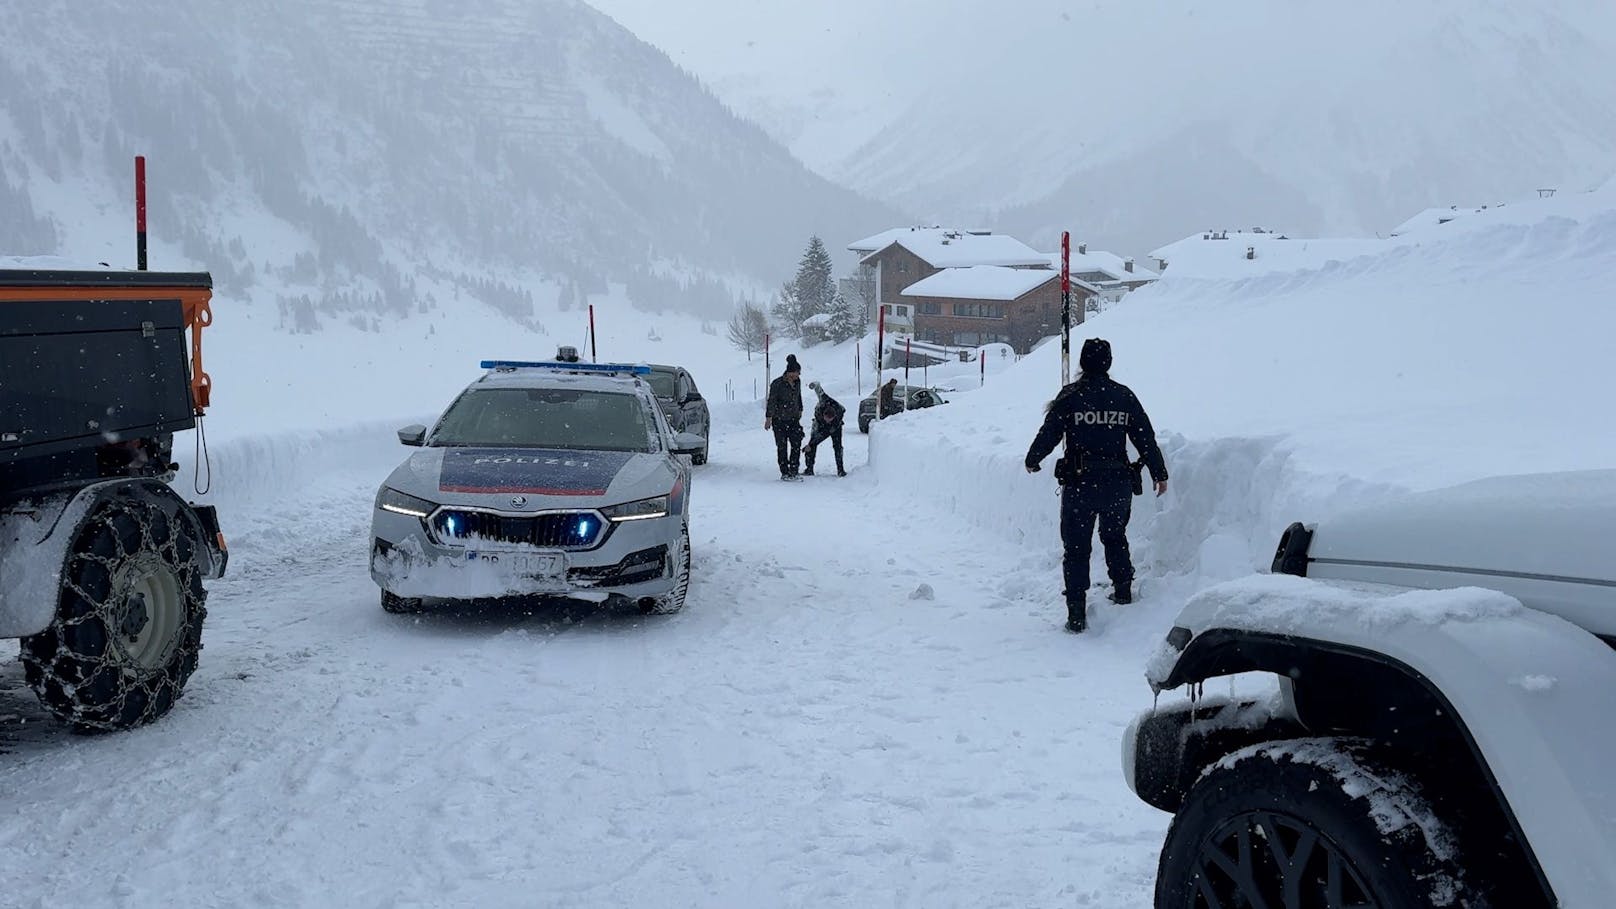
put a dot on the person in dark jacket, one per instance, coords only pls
(783, 414)
(828, 414)
(1096, 417)
(887, 404)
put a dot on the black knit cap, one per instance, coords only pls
(1096, 356)
(791, 363)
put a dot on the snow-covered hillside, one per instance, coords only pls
(1133, 125)
(351, 153)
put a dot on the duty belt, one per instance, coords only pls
(1084, 462)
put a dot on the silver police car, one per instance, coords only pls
(544, 479)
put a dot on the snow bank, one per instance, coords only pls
(1482, 349)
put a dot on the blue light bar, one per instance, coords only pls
(609, 368)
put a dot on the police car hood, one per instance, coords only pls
(544, 478)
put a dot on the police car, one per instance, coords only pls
(544, 479)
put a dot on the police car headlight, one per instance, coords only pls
(390, 499)
(642, 510)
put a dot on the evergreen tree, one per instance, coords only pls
(816, 288)
(786, 312)
(846, 322)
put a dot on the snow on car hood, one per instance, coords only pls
(546, 477)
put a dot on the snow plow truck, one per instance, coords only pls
(101, 561)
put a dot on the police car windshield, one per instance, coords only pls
(662, 383)
(564, 418)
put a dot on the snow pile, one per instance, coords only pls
(1483, 349)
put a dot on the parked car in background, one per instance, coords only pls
(915, 397)
(682, 404)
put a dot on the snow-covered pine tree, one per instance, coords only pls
(846, 322)
(786, 312)
(814, 284)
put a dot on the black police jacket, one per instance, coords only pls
(1098, 417)
(785, 401)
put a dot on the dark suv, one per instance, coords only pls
(914, 396)
(682, 404)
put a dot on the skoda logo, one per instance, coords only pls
(519, 501)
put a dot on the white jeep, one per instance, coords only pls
(1441, 732)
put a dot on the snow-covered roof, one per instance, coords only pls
(945, 247)
(1433, 217)
(1221, 254)
(817, 319)
(1102, 261)
(982, 282)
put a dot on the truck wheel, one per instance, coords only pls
(1307, 823)
(673, 600)
(400, 605)
(128, 623)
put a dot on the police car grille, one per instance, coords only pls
(559, 530)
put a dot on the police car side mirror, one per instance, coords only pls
(688, 443)
(413, 435)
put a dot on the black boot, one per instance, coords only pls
(1077, 619)
(808, 471)
(1122, 594)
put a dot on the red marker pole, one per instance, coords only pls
(880, 356)
(140, 212)
(593, 352)
(908, 343)
(982, 355)
(1066, 307)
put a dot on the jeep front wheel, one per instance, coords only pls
(1308, 824)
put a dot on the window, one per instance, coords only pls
(563, 418)
(903, 311)
(979, 310)
(930, 309)
(978, 338)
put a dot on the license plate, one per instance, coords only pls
(538, 566)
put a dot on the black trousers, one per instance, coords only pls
(821, 433)
(788, 447)
(1108, 501)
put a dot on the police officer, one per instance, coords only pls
(1097, 417)
(783, 414)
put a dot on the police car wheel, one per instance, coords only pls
(673, 600)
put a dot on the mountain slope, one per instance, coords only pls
(355, 145)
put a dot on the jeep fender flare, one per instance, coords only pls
(1535, 737)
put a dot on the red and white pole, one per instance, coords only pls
(880, 355)
(140, 212)
(1066, 307)
(982, 356)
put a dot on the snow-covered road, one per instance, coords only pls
(807, 732)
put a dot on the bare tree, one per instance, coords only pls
(748, 327)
